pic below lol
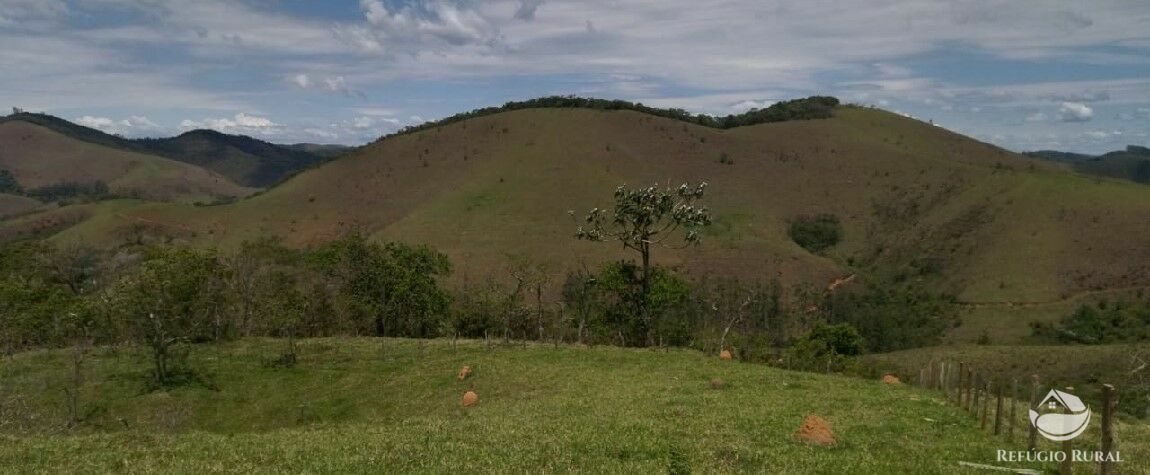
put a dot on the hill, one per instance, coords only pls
(242, 159)
(356, 405)
(39, 156)
(915, 201)
(1131, 164)
(11, 205)
(322, 150)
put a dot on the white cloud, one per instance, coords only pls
(429, 24)
(134, 125)
(302, 81)
(1075, 112)
(100, 123)
(1036, 117)
(241, 123)
(336, 84)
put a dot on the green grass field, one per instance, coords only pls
(390, 405)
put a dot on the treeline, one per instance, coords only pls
(1103, 322)
(162, 296)
(814, 107)
(94, 190)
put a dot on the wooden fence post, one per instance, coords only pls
(975, 383)
(998, 410)
(985, 403)
(1032, 443)
(961, 383)
(1107, 427)
(1013, 409)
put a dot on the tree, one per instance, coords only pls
(389, 289)
(646, 217)
(172, 298)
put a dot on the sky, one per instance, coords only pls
(1022, 74)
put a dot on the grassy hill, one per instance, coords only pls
(11, 205)
(357, 405)
(322, 150)
(242, 159)
(916, 201)
(38, 156)
(1131, 164)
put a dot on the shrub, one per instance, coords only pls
(816, 233)
(1104, 322)
(826, 346)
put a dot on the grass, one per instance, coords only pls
(358, 405)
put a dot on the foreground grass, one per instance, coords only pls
(359, 405)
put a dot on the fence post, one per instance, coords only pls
(985, 403)
(961, 384)
(1107, 427)
(998, 410)
(1032, 443)
(975, 392)
(1013, 409)
(942, 380)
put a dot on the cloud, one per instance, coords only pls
(241, 123)
(134, 125)
(100, 123)
(15, 12)
(526, 10)
(1075, 112)
(421, 26)
(1036, 117)
(302, 81)
(336, 84)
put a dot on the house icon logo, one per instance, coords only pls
(1060, 416)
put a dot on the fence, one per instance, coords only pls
(993, 402)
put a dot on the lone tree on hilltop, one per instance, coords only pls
(646, 217)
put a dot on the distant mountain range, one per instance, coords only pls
(244, 160)
(1131, 164)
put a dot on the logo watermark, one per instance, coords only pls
(1064, 416)
(1059, 417)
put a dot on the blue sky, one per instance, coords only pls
(1023, 74)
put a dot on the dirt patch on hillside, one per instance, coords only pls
(890, 379)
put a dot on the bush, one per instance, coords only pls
(1104, 322)
(894, 317)
(828, 347)
(8, 183)
(816, 233)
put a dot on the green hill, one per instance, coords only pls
(1131, 164)
(242, 159)
(365, 405)
(915, 200)
(322, 150)
(245, 160)
(41, 157)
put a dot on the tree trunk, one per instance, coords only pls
(644, 299)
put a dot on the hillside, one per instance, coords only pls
(915, 200)
(242, 159)
(38, 156)
(322, 150)
(1131, 164)
(358, 405)
(11, 205)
